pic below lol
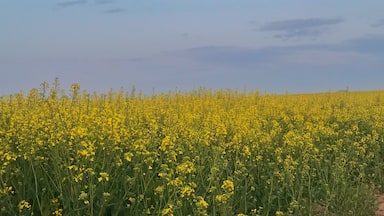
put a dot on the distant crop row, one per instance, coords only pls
(202, 152)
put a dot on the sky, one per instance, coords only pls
(278, 46)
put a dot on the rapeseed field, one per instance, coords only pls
(203, 152)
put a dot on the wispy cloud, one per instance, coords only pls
(288, 25)
(379, 23)
(185, 35)
(311, 27)
(71, 3)
(104, 1)
(344, 53)
(373, 44)
(311, 33)
(130, 60)
(114, 11)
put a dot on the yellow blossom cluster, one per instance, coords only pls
(203, 152)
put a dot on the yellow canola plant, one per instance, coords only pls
(202, 152)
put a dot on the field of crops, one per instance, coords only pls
(202, 152)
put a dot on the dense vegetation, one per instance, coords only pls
(202, 152)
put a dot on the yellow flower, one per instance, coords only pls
(103, 176)
(259, 157)
(132, 199)
(119, 162)
(23, 205)
(279, 213)
(186, 167)
(223, 198)
(78, 178)
(167, 211)
(177, 182)
(83, 195)
(247, 151)
(187, 191)
(201, 204)
(159, 190)
(128, 156)
(58, 212)
(54, 201)
(228, 186)
(73, 167)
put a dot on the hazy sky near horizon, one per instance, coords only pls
(159, 45)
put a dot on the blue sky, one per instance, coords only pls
(159, 45)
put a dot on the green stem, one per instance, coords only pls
(36, 189)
